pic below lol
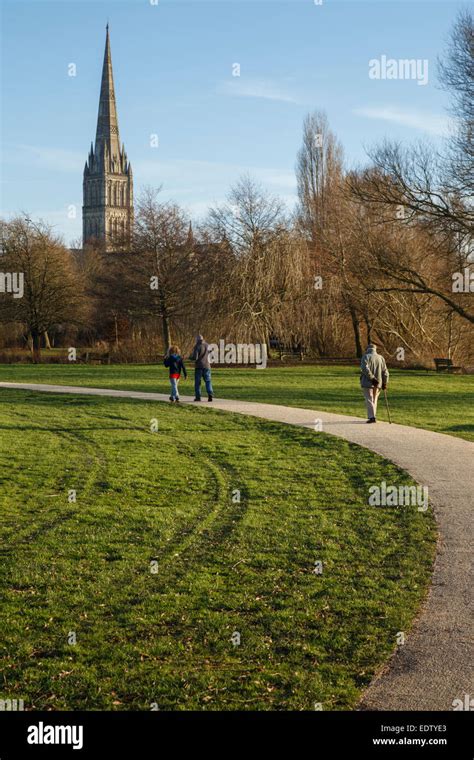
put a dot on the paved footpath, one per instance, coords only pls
(436, 664)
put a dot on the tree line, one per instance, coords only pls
(383, 253)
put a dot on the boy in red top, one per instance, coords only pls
(174, 361)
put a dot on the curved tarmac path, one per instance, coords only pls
(436, 664)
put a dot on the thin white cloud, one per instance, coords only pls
(185, 172)
(199, 209)
(189, 173)
(185, 180)
(266, 89)
(58, 159)
(435, 124)
(60, 219)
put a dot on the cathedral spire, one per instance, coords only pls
(107, 211)
(107, 133)
(190, 237)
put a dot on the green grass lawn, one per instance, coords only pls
(444, 403)
(223, 565)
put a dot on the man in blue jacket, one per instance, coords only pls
(373, 378)
(202, 368)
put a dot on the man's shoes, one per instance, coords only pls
(177, 400)
(209, 398)
(197, 399)
(171, 399)
(371, 419)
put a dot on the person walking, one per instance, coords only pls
(202, 368)
(174, 361)
(373, 378)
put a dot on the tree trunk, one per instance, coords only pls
(47, 343)
(369, 330)
(117, 345)
(166, 331)
(356, 328)
(165, 322)
(36, 339)
(450, 333)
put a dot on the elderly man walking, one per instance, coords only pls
(202, 368)
(373, 377)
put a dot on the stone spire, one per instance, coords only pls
(107, 212)
(190, 236)
(107, 133)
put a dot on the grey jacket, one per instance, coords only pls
(200, 355)
(372, 366)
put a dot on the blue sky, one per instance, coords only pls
(173, 65)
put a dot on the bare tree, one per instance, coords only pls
(429, 193)
(248, 219)
(265, 272)
(456, 72)
(322, 206)
(318, 172)
(161, 262)
(52, 291)
(412, 256)
(434, 189)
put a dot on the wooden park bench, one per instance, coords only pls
(446, 365)
(287, 349)
(94, 357)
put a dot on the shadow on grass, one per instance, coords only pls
(39, 398)
(71, 429)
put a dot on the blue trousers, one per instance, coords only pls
(202, 374)
(174, 387)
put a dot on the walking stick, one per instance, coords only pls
(386, 404)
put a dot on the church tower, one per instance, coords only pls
(107, 209)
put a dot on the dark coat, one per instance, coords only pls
(200, 355)
(176, 365)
